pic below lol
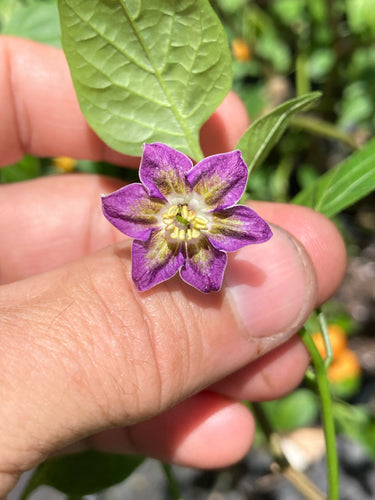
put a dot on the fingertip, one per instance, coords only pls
(220, 440)
(223, 129)
(207, 431)
(318, 235)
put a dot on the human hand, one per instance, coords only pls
(83, 355)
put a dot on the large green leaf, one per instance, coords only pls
(146, 71)
(82, 473)
(264, 133)
(342, 186)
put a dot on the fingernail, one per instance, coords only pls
(272, 286)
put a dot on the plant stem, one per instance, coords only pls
(172, 482)
(327, 343)
(299, 480)
(302, 79)
(327, 415)
(322, 128)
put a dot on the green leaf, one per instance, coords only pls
(264, 133)
(27, 168)
(298, 409)
(342, 186)
(82, 473)
(146, 71)
(361, 16)
(357, 423)
(37, 21)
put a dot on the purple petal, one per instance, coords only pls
(204, 266)
(236, 227)
(163, 170)
(132, 211)
(220, 179)
(155, 260)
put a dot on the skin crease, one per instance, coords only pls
(81, 352)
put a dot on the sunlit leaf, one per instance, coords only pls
(146, 71)
(342, 186)
(264, 133)
(82, 473)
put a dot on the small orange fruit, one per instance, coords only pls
(346, 366)
(64, 163)
(241, 50)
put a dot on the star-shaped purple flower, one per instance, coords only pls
(184, 217)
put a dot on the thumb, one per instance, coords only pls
(83, 351)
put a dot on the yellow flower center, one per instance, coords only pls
(183, 224)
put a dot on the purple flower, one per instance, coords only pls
(184, 217)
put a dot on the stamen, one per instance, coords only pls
(181, 234)
(200, 219)
(174, 233)
(200, 222)
(168, 220)
(185, 212)
(183, 224)
(191, 215)
(172, 211)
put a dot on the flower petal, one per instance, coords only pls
(219, 179)
(155, 260)
(204, 266)
(163, 170)
(132, 211)
(236, 227)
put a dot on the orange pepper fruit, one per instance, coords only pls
(241, 50)
(65, 163)
(346, 366)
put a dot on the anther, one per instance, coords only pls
(174, 233)
(185, 212)
(172, 211)
(181, 234)
(200, 222)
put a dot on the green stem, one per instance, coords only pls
(302, 79)
(327, 415)
(299, 480)
(172, 482)
(322, 128)
(327, 343)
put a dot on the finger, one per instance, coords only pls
(319, 235)
(53, 220)
(97, 354)
(187, 433)
(41, 116)
(272, 376)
